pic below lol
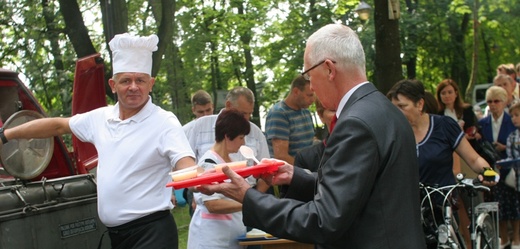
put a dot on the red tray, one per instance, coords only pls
(256, 171)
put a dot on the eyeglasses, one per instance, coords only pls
(496, 101)
(305, 73)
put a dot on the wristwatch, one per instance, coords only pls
(2, 136)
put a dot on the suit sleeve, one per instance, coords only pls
(351, 165)
(302, 185)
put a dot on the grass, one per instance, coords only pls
(182, 218)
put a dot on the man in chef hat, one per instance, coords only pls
(138, 144)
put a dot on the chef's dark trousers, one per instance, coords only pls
(157, 230)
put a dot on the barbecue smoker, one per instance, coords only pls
(48, 196)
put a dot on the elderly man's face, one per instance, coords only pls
(317, 78)
(243, 106)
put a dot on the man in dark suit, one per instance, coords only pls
(366, 191)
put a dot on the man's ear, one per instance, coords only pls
(332, 70)
(112, 83)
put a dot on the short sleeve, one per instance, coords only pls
(452, 130)
(277, 125)
(81, 125)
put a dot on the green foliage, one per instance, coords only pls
(440, 54)
(212, 38)
(28, 48)
(182, 219)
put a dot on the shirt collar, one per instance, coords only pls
(499, 119)
(345, 98)
(138, 117)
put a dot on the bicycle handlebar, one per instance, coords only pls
(474, 183)
(466, 183)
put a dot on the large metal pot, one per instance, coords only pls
(25, 158)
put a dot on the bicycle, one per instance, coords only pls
(441, 227)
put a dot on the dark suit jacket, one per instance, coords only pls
(366, 192)
(310, 157)
(486, 130)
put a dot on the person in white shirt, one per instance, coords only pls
(201, 105)
(217, 221)
(202, 134)
(138, 144)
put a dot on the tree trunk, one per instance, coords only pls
(165, 33)
(388, 69)
(115, 18)
(490, 72)
(181, 100)
(459, 64)
(411, 42)
(245, 38)
(76, 29)
(474, 68)
(115, 21)
(79, 37)
(53, 37)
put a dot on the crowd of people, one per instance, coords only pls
(356, 188)
(446, 130)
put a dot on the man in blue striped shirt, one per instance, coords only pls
(289, 125)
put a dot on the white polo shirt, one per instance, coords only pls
(135, 157)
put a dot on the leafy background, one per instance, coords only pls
(218, 44)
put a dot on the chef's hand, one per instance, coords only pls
(236, 189)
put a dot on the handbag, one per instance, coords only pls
(486, 150)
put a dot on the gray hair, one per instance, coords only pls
(339, 43)
(496, 92)
(238, 91)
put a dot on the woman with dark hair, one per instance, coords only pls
(430, 103)
(451, 104)
(437, 137)
(217, 220)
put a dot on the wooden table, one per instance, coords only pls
(277, 244)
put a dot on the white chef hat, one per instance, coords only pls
(132, 53)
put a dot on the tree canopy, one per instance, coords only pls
(216, 45)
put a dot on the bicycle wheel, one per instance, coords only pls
(486, 233)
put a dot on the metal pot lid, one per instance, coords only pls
(25, 158)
